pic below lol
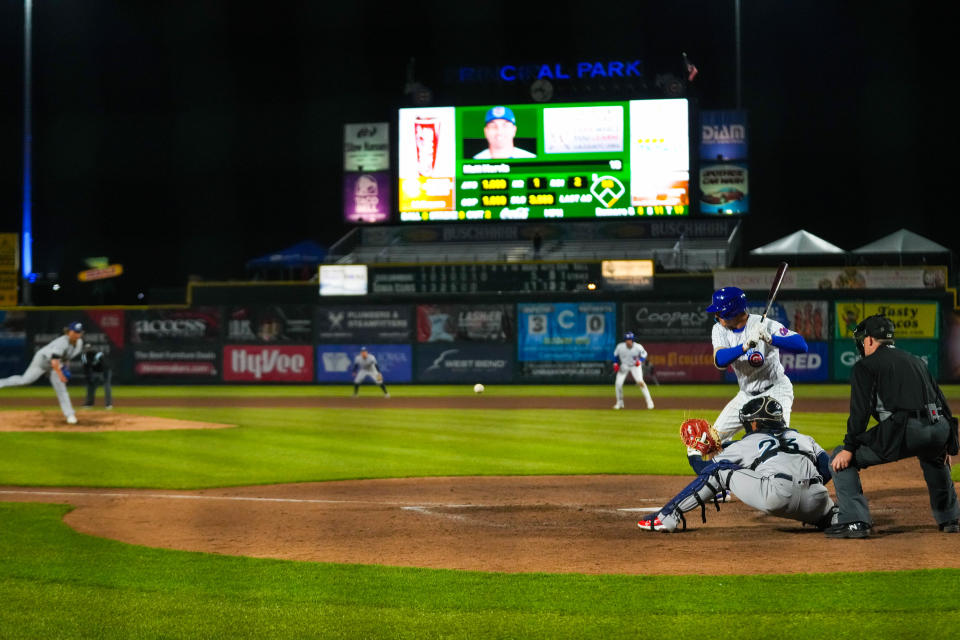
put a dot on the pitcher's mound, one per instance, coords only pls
(95, 420)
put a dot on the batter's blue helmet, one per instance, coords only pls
(628, 335)
(728, 302)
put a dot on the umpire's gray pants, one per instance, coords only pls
(32, 374)
(920, 438)
(796, 499)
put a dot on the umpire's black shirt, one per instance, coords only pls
(887, 385)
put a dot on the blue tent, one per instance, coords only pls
(303, 254)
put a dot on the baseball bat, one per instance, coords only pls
(774, 288)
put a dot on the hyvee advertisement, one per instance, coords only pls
(249, 363)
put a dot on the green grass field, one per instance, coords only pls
(55, 582)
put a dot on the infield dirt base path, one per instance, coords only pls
(555, 524)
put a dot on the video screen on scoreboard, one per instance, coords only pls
(542, 161)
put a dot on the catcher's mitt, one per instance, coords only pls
(379, 378)
(698, 434)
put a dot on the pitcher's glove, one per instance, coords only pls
(698, 434)
(379, 378)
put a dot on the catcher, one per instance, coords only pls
(772, 468)
(365, 366)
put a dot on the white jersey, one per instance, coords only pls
(753, 380)
(514, 153)
(61, 349)
(629, 356)
(365, 364)
(787, 451)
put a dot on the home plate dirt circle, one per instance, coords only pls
(91, 421)
(556, 524)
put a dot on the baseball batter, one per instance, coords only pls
(753, 351)
(773, 468)
(365, 366)
(52, 360)
(628, 359)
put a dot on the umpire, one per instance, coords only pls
(913, 419)
(97, 370)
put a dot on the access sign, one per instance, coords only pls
(109, 271)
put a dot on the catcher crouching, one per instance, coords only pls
(772, 468)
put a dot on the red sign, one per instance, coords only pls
(253, 363)
(682, 361)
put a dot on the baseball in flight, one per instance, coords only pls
(478, 388)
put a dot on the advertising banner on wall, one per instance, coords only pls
(566, 331)
(952, 349)
(335, 362)
(366, 197)
(568, 371)
(187, 362)
(911, 319)
(682, 362)
(200, 324)
(465, 323)
(723, 134)
(816, 278)
(269, 324)
(724, 188)
(813, 366)
(468, 363)
(806, 317)
(375, 323)
(268, 363)
(13, 343)
(671, 321)
(845, 356)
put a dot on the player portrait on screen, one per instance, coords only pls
(500, 128)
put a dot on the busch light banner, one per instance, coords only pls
(269, 324)
(335, 362)
(671, 321)
(267, 363)
(359, 324)
(566, 331)
(723, 135)
(465, 323)
(467, 363)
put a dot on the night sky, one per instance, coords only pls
(217, 126)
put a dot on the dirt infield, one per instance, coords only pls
(93, 421)
(556, 524)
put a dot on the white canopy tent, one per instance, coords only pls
(902, 241)
(796, 244)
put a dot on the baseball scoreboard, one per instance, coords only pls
(544, 161)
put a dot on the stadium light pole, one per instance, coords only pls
(27, 224)
(736, 29)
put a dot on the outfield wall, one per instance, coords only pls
(517, 340)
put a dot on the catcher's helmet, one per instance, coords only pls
(877, 327)
(765, 411)
(728, 302)
(628, 335)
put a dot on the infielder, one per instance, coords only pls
(52, 360)
(365, 366)
(739, 341)
(628, 359)
(772, 468)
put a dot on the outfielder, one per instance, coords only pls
(52, 360)
(752, 349)
(628, 359)
(365, 366)
(772, 468)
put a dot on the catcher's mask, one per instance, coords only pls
(765, 411)
(877, 327)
